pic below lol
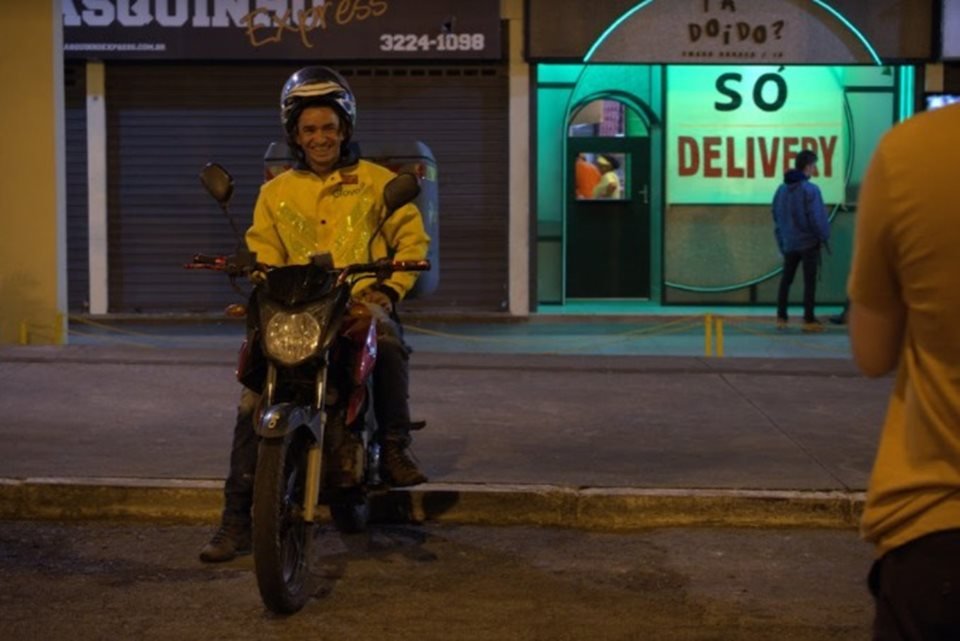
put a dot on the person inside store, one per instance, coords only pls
(336, 199)
(905, 317)
(801, 228)
(609, 185)
(587, 177)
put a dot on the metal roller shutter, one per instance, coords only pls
(75, 106)
(165, 122)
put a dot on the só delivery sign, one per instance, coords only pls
(732, 132)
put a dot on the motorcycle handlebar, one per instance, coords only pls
(232, 265)
(383, 268)
(392, 265)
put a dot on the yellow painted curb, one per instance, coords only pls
(480, 504)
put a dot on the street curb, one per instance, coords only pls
(193, 501)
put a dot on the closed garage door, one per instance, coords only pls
(165, 122)
(75, 108)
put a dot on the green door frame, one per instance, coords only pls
(607, 243)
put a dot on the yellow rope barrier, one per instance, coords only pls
(111, 328)
(658, 330)
(114, 341)
(661, 328)
(714, 328)
(781, 337)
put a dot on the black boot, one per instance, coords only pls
(230, 540)
(398, 468)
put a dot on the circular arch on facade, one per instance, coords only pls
(650, 118)
(833, 14)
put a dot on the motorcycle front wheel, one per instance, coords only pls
(282, 540)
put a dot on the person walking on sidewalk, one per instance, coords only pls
(905, 314)
(801, 226)
(331, 201)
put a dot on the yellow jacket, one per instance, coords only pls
(299, 214)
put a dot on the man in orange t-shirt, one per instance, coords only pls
(587, 177)
(905, 315)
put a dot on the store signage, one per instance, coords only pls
(731, 31)
(282, 29)
(732, 132)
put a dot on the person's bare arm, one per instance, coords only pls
(877, 308)
(876, 338)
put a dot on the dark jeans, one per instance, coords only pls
(391, 384)
(916, 588)
(811, 262)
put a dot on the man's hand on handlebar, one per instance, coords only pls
(375, 296)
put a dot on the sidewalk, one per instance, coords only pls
(603, 432)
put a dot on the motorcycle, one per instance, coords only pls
(310, 353)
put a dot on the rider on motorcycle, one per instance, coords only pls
(331, 201)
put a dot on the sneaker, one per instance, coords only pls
(839, 319)
(781, 323)
(812, 327)
(228, 542)
(398, 467)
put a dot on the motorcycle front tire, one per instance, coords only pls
(282, 540)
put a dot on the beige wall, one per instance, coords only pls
(32, 209)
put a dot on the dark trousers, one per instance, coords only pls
(916, 588)
(811, 262)
(391, 384)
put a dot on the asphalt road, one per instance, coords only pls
(102, 580)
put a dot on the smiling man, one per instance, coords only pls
(330, 202)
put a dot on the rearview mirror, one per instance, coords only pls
(402, 189)
(218, 182)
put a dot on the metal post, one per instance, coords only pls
(719, 335)
(708, 335)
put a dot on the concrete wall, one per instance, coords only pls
(520, 237)
(32, 178)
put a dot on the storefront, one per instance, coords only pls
(696, 108)
(156, 90)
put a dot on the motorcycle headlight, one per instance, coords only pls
(291, 338)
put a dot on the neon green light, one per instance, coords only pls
(849, 25)
(558, 72)
(613, 27)
(908, 81)
(821, 3)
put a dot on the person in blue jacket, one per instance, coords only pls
(801, 228)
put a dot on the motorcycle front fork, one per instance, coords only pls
(314, 460)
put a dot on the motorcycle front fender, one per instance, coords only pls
(284, 418)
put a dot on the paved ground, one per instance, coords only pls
(577, 424)
(104, 580)
(615, 430)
